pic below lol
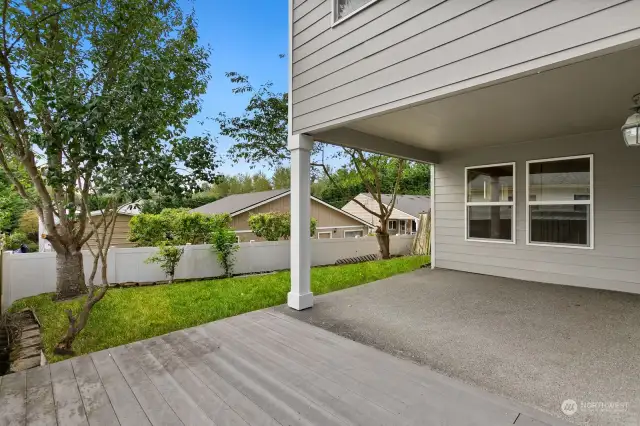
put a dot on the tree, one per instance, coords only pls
(96, 95)
(12, 206)
(29, 224)
(260, 182)
(281, 178)
(275, 225)
(369, 168)
(168, 256)
(261, 137)
(224, 243)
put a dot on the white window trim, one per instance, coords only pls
(569, 202)
(344, 234)
(326, 232)
(344, 18)
(468, 204)
(395, 224)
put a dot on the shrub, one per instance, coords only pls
(224, 244)
(177, 226)
(274, 226)
(29, 224)
(167, 257)
(15, 240)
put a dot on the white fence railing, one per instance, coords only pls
(30, 274)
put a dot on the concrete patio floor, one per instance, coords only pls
(262, 369)
(538, 344)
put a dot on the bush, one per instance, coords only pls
(167, 257)
(15, 240)
(225, 244)
(29, 224)
(177, 226)
(274, 226)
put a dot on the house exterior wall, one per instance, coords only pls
(395, 53)
(356, 209)
(614, 261)
(328, 219)
(120, 233)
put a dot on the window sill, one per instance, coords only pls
(482, 240)
(355, 12)
(564, 246)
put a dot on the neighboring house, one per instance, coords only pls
(404, 216)
(120, 236)
(332, 222)
(529, 96)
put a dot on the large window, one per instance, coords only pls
(343, 9)
(490, 203)
(560, 202)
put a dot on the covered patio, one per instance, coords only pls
(539, 344)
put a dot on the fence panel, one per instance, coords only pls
(30, 274)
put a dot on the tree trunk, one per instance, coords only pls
(69, 275)
(383, 242)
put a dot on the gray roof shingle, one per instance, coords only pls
(410, 204)
(234, 203)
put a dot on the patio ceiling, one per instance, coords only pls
(591, 95)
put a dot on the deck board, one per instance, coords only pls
(154, 405)
(126, 406)
(13, 399)
(41, 408)
(69, 407)
(257, 369)
(94, 397)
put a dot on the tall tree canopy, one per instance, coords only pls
(95, 96)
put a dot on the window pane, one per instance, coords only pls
(490, 222)
(345, 7)
(564, 180)
(353, 234)
(560, 224)
(493, 183)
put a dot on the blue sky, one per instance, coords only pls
(245, 36)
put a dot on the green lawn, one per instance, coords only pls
(129, 314)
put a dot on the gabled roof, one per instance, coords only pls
(234, 204)
(240, 203)
(409, 204)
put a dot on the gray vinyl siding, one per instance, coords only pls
(613, 263)
(399, 52)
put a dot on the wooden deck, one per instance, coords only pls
(261, 368)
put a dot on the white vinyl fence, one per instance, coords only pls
(31, 274)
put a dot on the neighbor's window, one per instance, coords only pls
(324, 235)
(490, 206)
(393, 225)
(353, 234)
(344, 8)
(560, 206)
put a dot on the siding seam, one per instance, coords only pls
(300, 4)
(345, 35)
(582, 253)
(311, 25)
(521, 279)
(401, 41)
(535, 270)
(341, 119)
(456, 61)
(319, 4)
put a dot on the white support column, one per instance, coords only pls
(300, 296)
